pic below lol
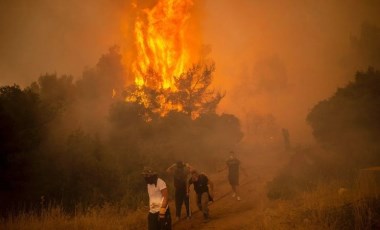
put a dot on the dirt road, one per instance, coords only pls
(228, 213)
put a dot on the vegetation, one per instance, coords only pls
(54, 217)
(347, 123)
(346, 126)
(192, 95)
(327, 206)
(74, 146)
(367, 46)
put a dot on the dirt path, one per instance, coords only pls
(228, 213)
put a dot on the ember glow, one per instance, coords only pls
(162, 51)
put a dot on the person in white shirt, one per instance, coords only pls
(159, 217)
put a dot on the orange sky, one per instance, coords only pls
(282, 57)
(272, 57)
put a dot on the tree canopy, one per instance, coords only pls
(348, 122)
(192, 94)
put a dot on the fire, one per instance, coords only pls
(167, 45)
(162, 51)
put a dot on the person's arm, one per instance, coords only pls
(188, 187)
(164, 193)
(170, 169)
(189, 167)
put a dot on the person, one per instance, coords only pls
(285, 135)
(180, 171)
(159, 214)
(203, 188)
(233, 166)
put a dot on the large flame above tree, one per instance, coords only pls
(166, 79)
(162, 52)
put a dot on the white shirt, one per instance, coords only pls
(155, 195)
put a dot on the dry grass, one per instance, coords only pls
(332, 206)
(329, 206)
(106, 217)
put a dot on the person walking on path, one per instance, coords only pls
(234, 166)
(203, 188)
(159, 214)
(181, 172)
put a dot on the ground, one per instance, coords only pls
(228, 213)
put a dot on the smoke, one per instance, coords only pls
(62, 36)
(272, 58)
(282, 57)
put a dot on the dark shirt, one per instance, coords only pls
(200, 186)
(233, 167)
(180, 178)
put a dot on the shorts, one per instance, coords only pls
(233, 179)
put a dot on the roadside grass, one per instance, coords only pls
(334, 205)
(328, 206)
(105, 217)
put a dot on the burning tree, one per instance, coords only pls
(165, 80)
(192, 94)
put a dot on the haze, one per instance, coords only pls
(273, 58)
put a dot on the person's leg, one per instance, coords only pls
(168, 218)
(233, 190)
(199, 201)
(232, 183)
(153, 222)
(236, 185)
(178, 203)
(166, 223)
(187, 205)
(204, 202)
(237, 192)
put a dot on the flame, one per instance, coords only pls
(161, 44)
